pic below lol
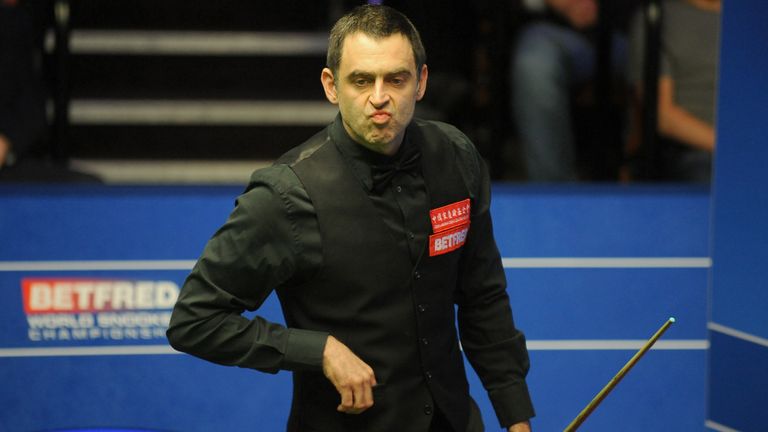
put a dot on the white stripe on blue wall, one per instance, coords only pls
(623, 262)
(12, 266)
(718, 427)
(88, 351)
(533, 345)
(613, 344)
(737, 334)
(650, 262)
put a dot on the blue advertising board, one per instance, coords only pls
(88, 276)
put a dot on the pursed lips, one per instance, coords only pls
(380, 116)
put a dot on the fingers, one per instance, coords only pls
(352, 377)
(357, 398)
(347, 400)
(368, 396)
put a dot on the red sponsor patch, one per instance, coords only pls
(448, 241)
(450, 216)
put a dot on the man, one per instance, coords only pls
(688, 58)
(553, 66)
(22, 102)
(370, 232)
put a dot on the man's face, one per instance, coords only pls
(376, 87)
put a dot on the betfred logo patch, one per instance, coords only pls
(450, 216)
(448, 241)
(450, 225)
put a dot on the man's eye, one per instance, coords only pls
(361, 82)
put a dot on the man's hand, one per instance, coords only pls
(352, 377)
(520, 427)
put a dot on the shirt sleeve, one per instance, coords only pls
(493, 345)
(267, 241)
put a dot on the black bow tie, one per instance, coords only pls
(382, 175)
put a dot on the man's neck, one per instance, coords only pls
(388, 149)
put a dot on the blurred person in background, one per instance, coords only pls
(25, 154)
(22, 98)
(690, 31)
(553, 67)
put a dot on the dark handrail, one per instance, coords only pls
(607, 151)
(61, 31)
(652, 152)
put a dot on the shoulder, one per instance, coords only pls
(280, 176)
(438, 129)
(445, 134)
(441, 136)
(305, 150)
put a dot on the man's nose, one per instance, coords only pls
(379, 95)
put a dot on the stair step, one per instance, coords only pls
(201, 112)
(209, 172)
(287, 15)
(207, 43)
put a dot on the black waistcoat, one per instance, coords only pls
(396, 316)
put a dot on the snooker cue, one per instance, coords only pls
(615, 380)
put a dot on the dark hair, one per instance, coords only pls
(377, 22)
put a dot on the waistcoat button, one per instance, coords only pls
(428, 409)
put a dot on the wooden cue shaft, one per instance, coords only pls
(615, 380)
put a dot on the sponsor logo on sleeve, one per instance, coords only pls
(450, 225)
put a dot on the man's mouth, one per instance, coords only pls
(380, 117)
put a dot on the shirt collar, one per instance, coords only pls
(361, 158)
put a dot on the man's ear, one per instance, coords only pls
(329, 85)
(421, 87)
